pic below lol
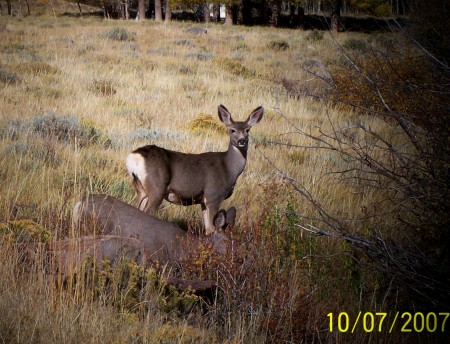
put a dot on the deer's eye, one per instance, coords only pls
(233, 131)
(247, 131)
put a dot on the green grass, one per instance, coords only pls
(80, 94)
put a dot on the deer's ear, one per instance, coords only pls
(255, 116)
(231, 216)
(225, 116)
(220, 219)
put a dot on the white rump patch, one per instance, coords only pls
(136, 165)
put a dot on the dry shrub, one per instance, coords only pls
(279, 45)
(235, 68)
(262, 279)
(68, 129)
(37, 68)
(174, 333)
(22, 231)
(405, 234)
(409, 93)
(206, 123)
(8, 77)
(118, 34)
(103, 88)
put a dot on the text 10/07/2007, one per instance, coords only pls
(376, 321)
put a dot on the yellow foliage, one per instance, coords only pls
(23, 231)
(204, 123)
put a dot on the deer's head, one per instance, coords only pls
(239, 131)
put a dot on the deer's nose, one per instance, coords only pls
(242, 142)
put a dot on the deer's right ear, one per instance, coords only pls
(225, 116)
(255, 116)
(220, 219)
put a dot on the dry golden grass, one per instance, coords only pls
(156, 88)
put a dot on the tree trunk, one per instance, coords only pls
(126, 15)
(28, 7)
(9, 7)
(301, 18)
(336, 15)
(158, 11)
(275, 8)
(240, 18)
(79, 8)
(216, 12)
(168, 13)
(141, 10)
(206, 13)
(228, 14)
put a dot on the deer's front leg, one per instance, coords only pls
(209, 211)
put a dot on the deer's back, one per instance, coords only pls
(115, 217)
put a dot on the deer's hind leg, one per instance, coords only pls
(142, 198)
(152, 192)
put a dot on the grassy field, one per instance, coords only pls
(78, 94)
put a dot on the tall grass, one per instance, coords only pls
(74, 103)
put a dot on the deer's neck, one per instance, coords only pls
(235, 159)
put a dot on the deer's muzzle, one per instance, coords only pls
(242, 143)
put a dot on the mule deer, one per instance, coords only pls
(161, 239)
(206, 179)
(67, 255)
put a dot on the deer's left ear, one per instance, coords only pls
(255, 116)
(220, 219)
(225, 116)
(231, 216)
